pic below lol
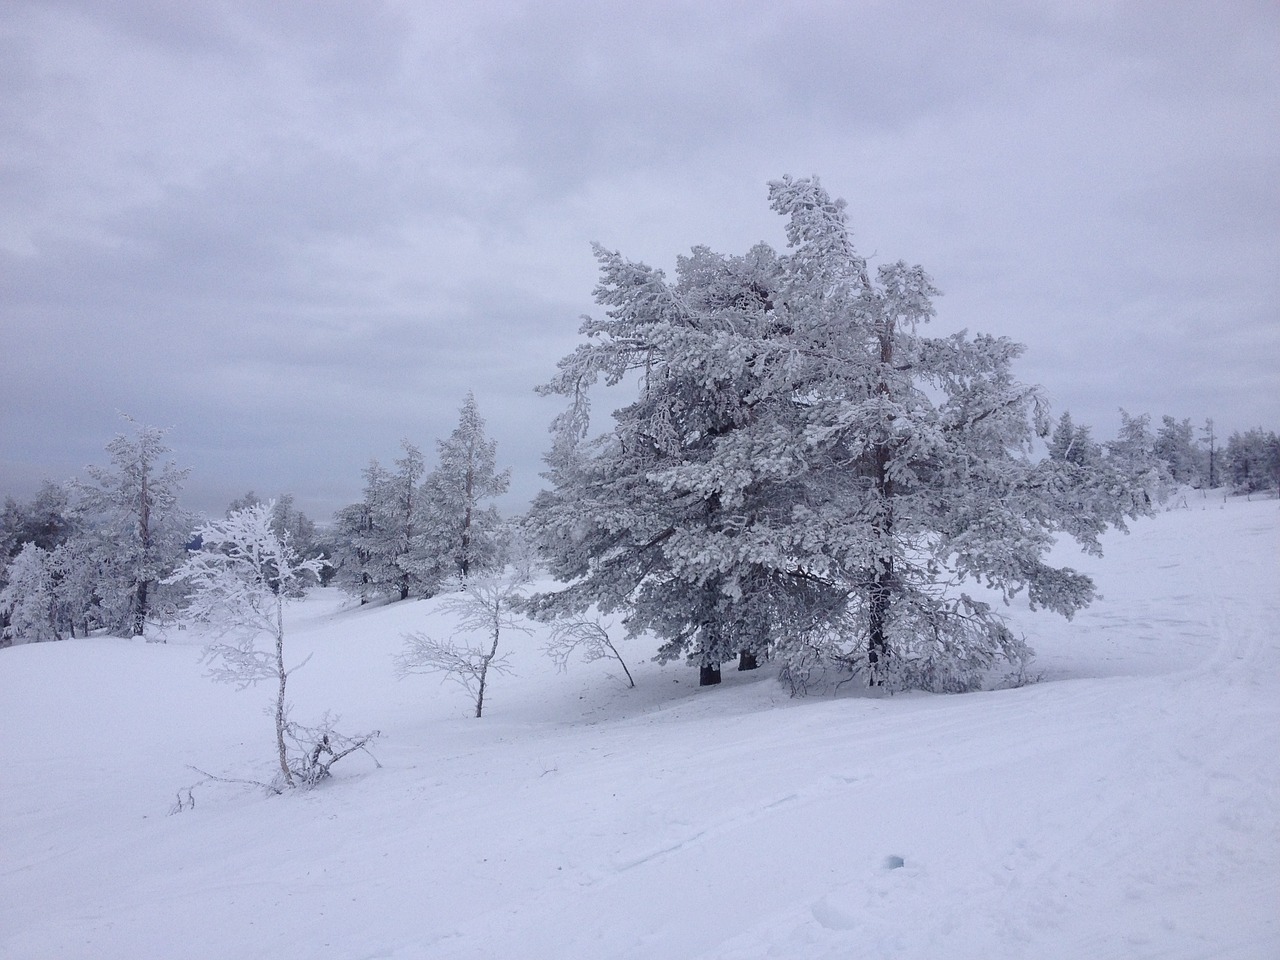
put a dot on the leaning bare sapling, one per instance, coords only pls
(488, 606)
(239, 580)
(588, 638)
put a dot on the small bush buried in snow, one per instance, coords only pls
(310, 754)
(314, 750)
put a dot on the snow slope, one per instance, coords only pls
(1126, 806)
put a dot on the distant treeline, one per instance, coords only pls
(96, 555)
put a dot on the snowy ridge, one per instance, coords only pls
(1126, 806)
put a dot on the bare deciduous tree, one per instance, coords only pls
(240, 580)
(489, 606)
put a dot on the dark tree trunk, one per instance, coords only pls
(469, 496)
(709, 675)
(878, 646)
(882, 581)
(144, 539)
(747, 660)
(139, 608)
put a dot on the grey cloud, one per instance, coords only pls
(299, 233)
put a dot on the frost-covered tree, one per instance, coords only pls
(1072, 443)
(588, 639)
(465, 531)
(1252, 460)
(47, 521)
(133, 508)
(244, 502)
(239, 582)
(77, 565)
(803, 473)
(488, 606)
(1209, 439)
(379, 547)
(287, 521)
(1133, 455)
(360, 569)
(1175, 445)
(399, 521)
(29, 601)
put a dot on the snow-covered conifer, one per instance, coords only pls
(1252, 460)
(1175, 445)
(398, 515)
(379, 549)
(804, 474)
(464, 533)
(29, 601)
(1073, 443)
(1133, 453)
(360, 569)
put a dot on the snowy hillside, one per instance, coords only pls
(1128, 805)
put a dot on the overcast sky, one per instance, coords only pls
(295, 233)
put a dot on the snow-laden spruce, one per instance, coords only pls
(804, 474)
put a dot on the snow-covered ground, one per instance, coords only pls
(1128, 805)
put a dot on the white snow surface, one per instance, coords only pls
(1126, 806)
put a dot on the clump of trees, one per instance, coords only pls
(1252, 461)
(415, 529)
(804, 474)
(96, 554)
(92, 555)
(291, 525)
(1173, 455)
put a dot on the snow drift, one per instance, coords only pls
(1124, 806)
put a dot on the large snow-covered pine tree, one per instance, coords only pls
(803, 473)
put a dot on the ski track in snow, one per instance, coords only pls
(1127, 807)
